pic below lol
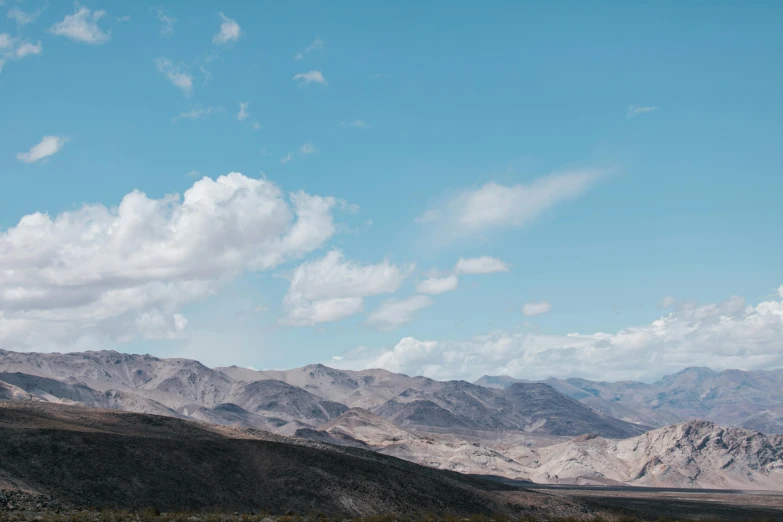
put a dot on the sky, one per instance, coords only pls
(449, 189)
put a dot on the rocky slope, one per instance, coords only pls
(689, 455)
(750, 399)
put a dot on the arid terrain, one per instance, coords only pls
(518, 430)
(118, 431)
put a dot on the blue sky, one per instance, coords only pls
(607, 156)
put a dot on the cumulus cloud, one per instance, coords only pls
(396, 312)
(730, 334)
(48, 146)
(229, 31)
(780, 291)
(82, 26)
(317, 44)
(117, 273)
(438, 285)
(166, 23)
(175, 74)
(536, 308)
(310, 77)
(480, 265)
(492, 205)
(635, 110)
(16, 48)
(332, 288)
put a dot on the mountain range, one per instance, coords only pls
(746, 399)
(572, 431)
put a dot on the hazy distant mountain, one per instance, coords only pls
(751, 399)
(528, 407)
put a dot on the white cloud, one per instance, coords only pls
(667, 302)
(21, 17)
(261, 309)
(310, 77)
(317, 44)
(175, 74)
(194, 174)
(438, 285)
(48, 146)
(125, 18)
(780, 291)
(359, 124)
(110, 274)
(396, 312)
(725, 335)
(194, 114)
(536, 308)
(229, 31)
(166, 23)
(331, 288)
(307, 149)
(476, 211)
(256, 125)
(634, 110)
(243, 114)
(286, 158)
(82, 26)
(480, 265)
(15, 48)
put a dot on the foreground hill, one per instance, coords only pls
(747, 399)
(103, 458)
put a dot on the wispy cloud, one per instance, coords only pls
(21, 17)
(82, 26)
(175, 74)
(635, 110)
(317, 44)
(359, 124)
(396, 312)
(256, 125)
(48, 146)
(491, 206)
(243, 114)
(16, 49)
(166, 23)
(229, 31)
(310, 77)
(536, 308)
(307, 149)
(196, 113)
(125, 18)
(286, 158)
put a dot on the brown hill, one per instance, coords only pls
(94, 457)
